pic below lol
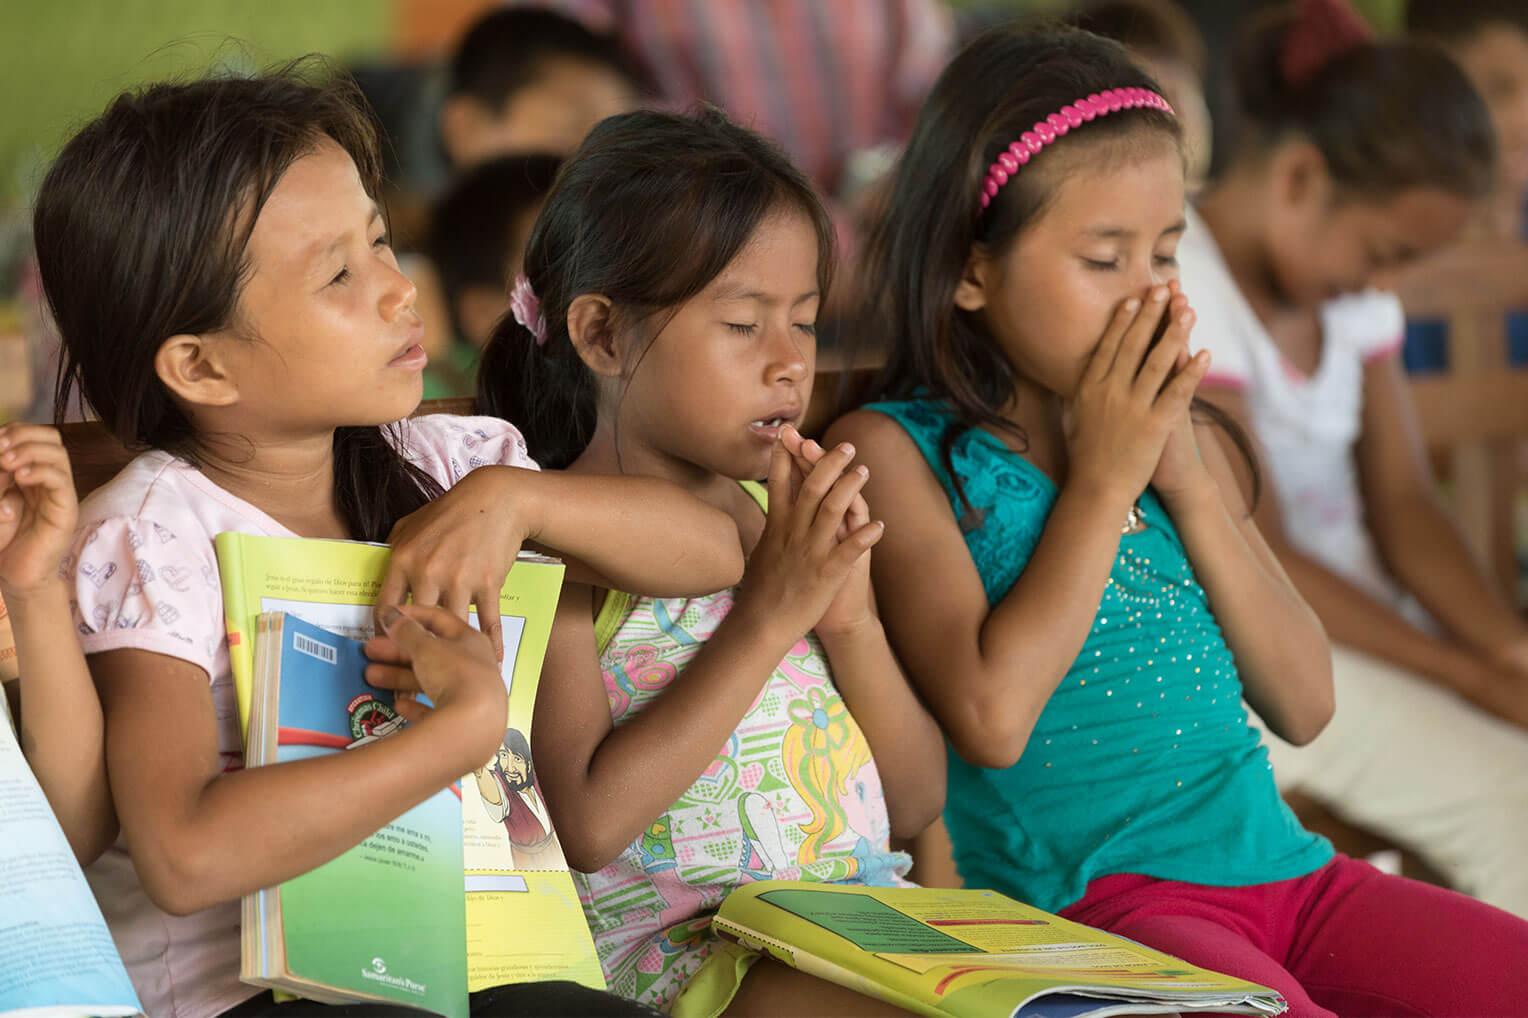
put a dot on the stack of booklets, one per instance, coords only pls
(466, 891)
(972, 954)
(56, 954)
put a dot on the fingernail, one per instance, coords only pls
(846, 448)
(387, 616)
(1159, 294)
(7, 511)
(862, 470)
(1186, 317)
(1133, 304)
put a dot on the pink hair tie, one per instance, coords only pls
(1062, 122)
(527, 308)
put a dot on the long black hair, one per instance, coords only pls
(997, 88)
(649, 210)
(142, 228)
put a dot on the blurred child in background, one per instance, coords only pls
(478, 231)
(1359, 156)
(527, 79)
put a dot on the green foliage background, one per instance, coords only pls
(61, 61)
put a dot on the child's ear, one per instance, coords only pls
(461, 120)
(591, 327)
(190, 367)
(971, 293)
(1300, 175)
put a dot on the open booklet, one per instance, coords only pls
(56, 954)
(523, 918)
(972, 954)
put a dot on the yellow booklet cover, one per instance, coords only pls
(524, 921)
(971, 954)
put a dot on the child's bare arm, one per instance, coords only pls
(985, 671)
(1421, 544)
(1281, 650)
(60, 716)
(189, 825)
(630, 533)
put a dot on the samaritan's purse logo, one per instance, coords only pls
(367, 714)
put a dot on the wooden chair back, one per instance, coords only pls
(1474, 419)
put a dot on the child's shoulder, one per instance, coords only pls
(893, 420)
(1372, 323)
(142, 570)
(450, 446)
(894, 428)
(155, 486)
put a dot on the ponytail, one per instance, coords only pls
(545, 389)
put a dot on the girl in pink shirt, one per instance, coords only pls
(219, 270)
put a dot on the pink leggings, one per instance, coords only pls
(1345, 940)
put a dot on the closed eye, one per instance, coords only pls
(808, 328)
(741, 329)
(340, 277)
(1102, 266)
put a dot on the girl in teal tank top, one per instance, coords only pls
(687, 745)
(1070, 571)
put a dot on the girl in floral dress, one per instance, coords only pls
(665, 326)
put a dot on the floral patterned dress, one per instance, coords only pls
(793, 794)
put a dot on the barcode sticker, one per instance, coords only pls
(313, 648)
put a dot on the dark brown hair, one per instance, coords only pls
(473, 224)
(1155, 28)
(1387, 115)
(142, 227)
(649, 210)
(1000, 85)
(1458, 21)
(508, 49)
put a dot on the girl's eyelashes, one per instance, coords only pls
(808, 328)
(1100, 265)
(343, 275)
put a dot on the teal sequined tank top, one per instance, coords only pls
(1142, 761)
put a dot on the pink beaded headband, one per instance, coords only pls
(1054, 126)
